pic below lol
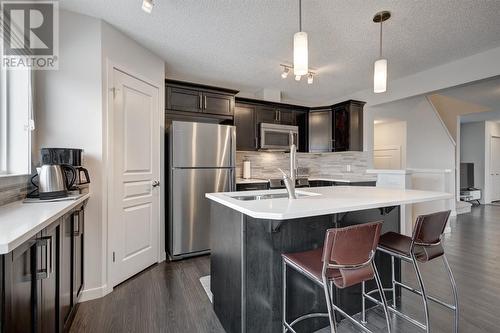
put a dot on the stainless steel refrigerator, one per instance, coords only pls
(201, 160)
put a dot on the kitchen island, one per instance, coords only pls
(250, 231)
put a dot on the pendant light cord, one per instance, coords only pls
(381, 36)
(300, 15)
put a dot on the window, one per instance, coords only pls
(16, 121)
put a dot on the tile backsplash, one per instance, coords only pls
(13, 188)
(342, 164)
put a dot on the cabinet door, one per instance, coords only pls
(20, 268)
(65, 291)
(47, 275)
(286, 117)
(302, 121)
(341, 129)
(181, 99)
(320, 131)
(78, 228)
(266, 115)
(246, 134)
(218, 104)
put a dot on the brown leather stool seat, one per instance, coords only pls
(310, 263)
(401, 245)
(345, 260)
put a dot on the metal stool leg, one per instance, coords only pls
(331, 313)
(363, 303)
(455, 293)
(382, 296)
(283, 320)
(422, 288)
(393, 276)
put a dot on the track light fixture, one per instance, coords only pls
(147, 6)
(287, 69)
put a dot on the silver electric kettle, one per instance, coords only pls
(53, 181)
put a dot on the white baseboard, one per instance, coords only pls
(94, 293)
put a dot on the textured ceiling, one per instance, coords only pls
(240, 43)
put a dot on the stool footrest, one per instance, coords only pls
(399, 313)
(418, 292)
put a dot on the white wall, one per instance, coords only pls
(69, 114)
(472, 149)
(428, 145)
(391, 134)
(71, 109)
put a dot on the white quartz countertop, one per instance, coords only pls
(20, 221)
(330, 179)
(322, 201)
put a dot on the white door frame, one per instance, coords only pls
(488, 194)
(109, 167)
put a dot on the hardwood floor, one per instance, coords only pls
(169, 298)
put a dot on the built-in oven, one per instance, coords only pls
(277, 137)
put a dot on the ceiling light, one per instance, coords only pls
(147, 6)
(310, 78)
(380, 66)
(297, 77)
(286, 70)
(300, 49)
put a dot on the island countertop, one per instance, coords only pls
(322, 201)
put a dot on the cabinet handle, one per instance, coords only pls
(199, 99)
(76, 224)
(45, 272)
(279, 116)
(205, 102)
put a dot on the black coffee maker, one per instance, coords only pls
(71, 156)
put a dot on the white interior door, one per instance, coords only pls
(136, 165)
(495, 168)
(387, 157)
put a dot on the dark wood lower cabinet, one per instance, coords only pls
(41, 280)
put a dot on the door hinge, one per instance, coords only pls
(114, 91)
(114, 257)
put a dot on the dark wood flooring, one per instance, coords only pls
(169, 298)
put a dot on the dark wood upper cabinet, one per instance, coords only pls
(286, 117)
(218, 104)
(181, 99)
(266, 114)
(348, 126)
(244, 120)
(191, 97)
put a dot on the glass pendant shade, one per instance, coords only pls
(300, 54)
(380, 76)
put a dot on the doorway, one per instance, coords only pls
(389, 138)
(133, 193)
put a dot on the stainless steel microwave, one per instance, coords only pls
(277, 137)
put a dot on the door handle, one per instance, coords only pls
(155, 183)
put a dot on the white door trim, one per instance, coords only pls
(109, 166)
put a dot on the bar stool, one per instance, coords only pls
(345, 260)
(423, 246)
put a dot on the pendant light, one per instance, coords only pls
(300, 49)
(380, 66)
